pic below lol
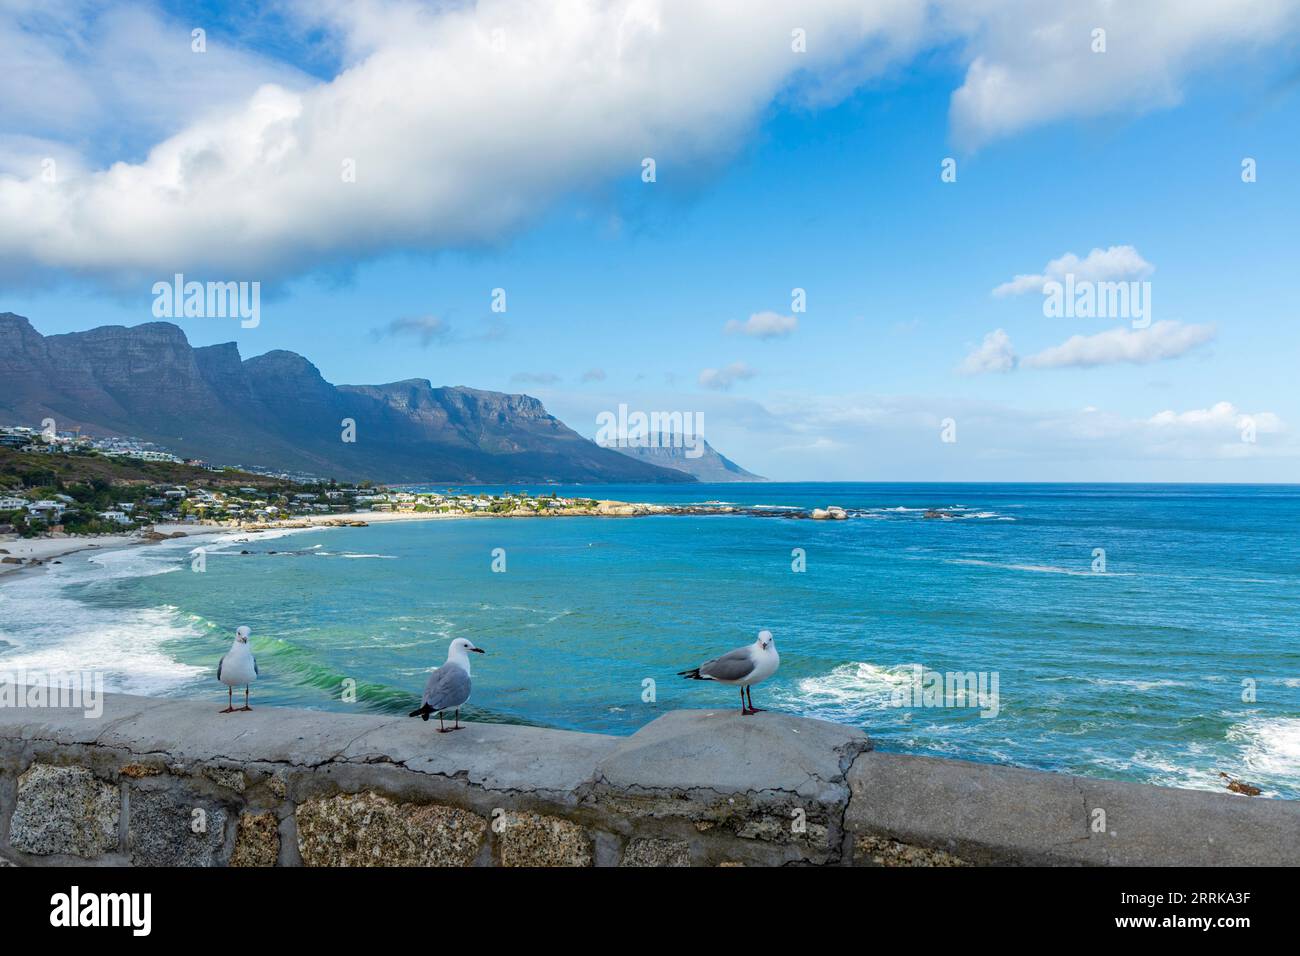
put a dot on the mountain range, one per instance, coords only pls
(277, 411)
(669, 451)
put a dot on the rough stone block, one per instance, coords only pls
(365, 829)
(649, 852)
(65, 810)
(162, 830)
(531, 839)
(878, 851)
(257, 842)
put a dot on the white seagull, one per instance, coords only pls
(448, 686)
(743, 667)
(237, 668)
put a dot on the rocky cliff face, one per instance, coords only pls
(276, 410)
(709, 465)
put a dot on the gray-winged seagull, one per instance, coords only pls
(238, 667)
(448, 686)
(743, 667)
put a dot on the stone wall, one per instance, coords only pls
(157, 782)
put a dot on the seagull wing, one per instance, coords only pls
(736, 665)
(255, 670)
(447, 687)
(220, 664)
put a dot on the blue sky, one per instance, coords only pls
(824, 177)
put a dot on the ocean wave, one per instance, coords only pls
(1269, 745)
(1134, 683)
(46, 631)
(849, 691)
(1040, 568)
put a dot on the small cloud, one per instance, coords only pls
(1100, 265)
(1164, 340)
(424, 328)
(994, 354)
(721, 379)
(594, 375)
(1221, 415)
(764, 325)
(535, 378)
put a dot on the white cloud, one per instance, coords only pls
(1033, 62)
(458, 139)
(764, 325)
(722, 379)
(995, 354)
(1220, 416)
(1163, 340)
(1100, 265)
(463, 122)
(593, 375)
(115, 76)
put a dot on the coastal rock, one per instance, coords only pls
(531, 839)
(64, 810)
(830, 513)
(871, 850)
(227, 777)
(138, 771)
(257, 842)
(650, 852)
(364, 829)
(165, 830)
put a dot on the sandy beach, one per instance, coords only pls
(37, 552)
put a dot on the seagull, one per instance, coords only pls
(744, 667)
(448, 686)
(236, 668)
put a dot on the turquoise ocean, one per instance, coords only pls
(1179, 662)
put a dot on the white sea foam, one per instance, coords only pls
(51, 632)
(1040, 568)
(1134, 683)
(850, 691)
(1270, 745)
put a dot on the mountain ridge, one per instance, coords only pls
(276, 410)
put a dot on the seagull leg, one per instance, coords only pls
(752, 708)
(744, 711)
(245, 707)
(457, 727)
(230, 701)
(441, 728)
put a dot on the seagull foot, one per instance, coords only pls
(747, 711)
(228, 710)
(448, 730)
(245, 707)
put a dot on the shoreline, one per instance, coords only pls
(38, 553)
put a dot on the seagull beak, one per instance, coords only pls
(478, 650)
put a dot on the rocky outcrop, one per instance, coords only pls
(832, 513)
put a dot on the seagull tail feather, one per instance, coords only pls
(692, 674)
(423, 712)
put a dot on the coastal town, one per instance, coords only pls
(37, 500)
